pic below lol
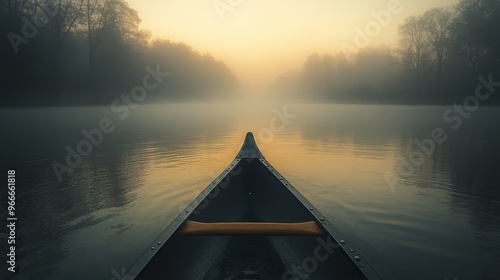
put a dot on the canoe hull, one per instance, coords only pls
(251, 190)
(272, 257)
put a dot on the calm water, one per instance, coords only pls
(440, 221)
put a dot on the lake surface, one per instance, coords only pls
(435, 217)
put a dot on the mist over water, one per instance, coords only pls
(443, 215)
(116, 114)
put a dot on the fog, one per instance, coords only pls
(116, 114)
(443, 55)
(93, 52)
(96, 52)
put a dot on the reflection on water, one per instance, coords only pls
(443, 216)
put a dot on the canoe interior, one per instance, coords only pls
(250, 193)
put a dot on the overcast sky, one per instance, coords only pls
(259, 39)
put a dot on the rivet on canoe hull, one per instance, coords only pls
(159, 242)
(311, 209)
(352, 251)
(152, 248)
(357, 258)
(321, 219)
(342, 241)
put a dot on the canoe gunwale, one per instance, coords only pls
(158, 243)
(346, 246)
(250, 152)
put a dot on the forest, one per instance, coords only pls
(89, 52)
(440, 57)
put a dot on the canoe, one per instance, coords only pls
(250, 223)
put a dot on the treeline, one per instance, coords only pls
(92, 51)
(440, 55)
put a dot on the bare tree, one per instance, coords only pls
(476, 29)
(414, 44)
(93, 23)
(438, 22)
(65, 20)
(14, 10)
(113, 20)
